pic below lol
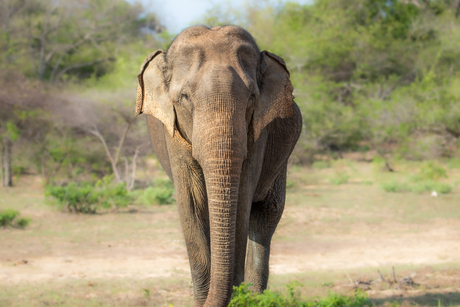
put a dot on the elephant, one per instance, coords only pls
(223, 122)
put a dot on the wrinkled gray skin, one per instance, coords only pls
(223, 123)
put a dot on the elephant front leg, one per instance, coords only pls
(194, 218)
(264, 218)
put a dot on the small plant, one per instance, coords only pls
(146, 293)
(88, 198)
(8, 218)
(23, 222)
(431, 171)
(160, 193)
(242, 296)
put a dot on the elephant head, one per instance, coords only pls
(216, 90)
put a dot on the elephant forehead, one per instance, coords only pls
(215, 42)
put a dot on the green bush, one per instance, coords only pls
(242, 296)
(8, 218)
(23, 222)
(432, 171)
(86, 197)
(160, 193)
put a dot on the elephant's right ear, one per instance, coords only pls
(152, 95)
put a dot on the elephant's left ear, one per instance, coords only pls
(152, 95)
(275, 99)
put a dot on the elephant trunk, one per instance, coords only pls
(222, 192)
(222, 172)
(221, 158)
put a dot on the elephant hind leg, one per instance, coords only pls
(264, 218)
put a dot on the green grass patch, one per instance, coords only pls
(88, 198)
(10, 218)
(161, 193)
(242, 296)
(419, 186)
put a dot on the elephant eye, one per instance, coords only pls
(185, 101)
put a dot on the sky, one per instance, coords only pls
(180, 14)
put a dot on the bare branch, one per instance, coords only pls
(122, 141)
(96, 133)
(134, 165)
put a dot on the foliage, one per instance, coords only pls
(9, 218)
(85, 197)
(160, 193)
(242, 296)
(68, 39)
(379, 73)
(368, 75)
(432, 171)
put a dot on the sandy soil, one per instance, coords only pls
(146, 245)
(139, 259)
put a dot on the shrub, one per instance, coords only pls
(160, 193)
(8, 218)
(242, 296)
(88, 198)
(23, 222)
(432, 171)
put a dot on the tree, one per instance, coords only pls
(21, 108)
(70, 39)
(365, 71)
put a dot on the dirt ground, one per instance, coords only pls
(29, 260)
(336, 245)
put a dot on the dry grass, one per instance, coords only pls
(136, 257)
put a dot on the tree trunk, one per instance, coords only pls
(8, 182)
(2, 164)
